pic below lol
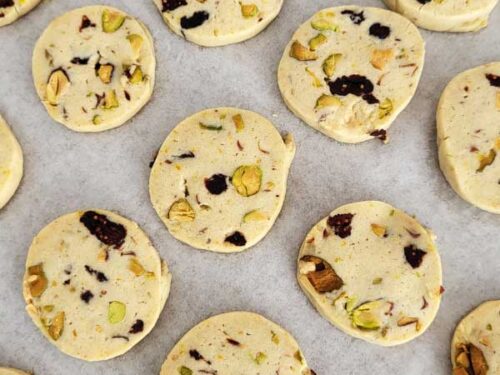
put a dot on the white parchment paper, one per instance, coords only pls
(66, 171)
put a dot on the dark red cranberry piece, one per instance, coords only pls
(100, 276)
(216, 184)
(379, 30)
(105, 230)
(380, 134)
(414, 256)
(86, 296)
(354, 84)
(86, 22)
(356, 18)
(6, 3)
(197, 19)
(341, 224)
(494, 79)
(170, 5)
(137, 327)
(237, 239)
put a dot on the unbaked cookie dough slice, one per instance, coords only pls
(468, 129)
(94, 284)
(94, 68)
(451, 16)
(475, 348)
(212, 23)
(11, 371)
(236, 343)
(11, 163)
(373, 271)
(11, 10)
(219, 180)
(349, 71)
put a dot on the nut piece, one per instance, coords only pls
(238, 122)
(110, 100)
(478, 361)
(330, 64)
(378, 230)
(385, 108)
(320, 274)
(134, 74)
(111, 21)
(380, 57)
(183, 370)
(301, 53)
(181, 211)
(486, 160)
(136, 267)
(136, 43)
(105, 72)
(470, 360)
(37, 280)
(255, 215)
(324, 25)
(316, 81)
(327, 101)
(56, 327)
(408, 320)
(116, 312)
(247, 180)
(365, 317)
(317, 41)
(249, 10)
(57, 85)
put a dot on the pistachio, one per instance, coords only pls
(137, 268)
(408, 320)
(350, 303)
(320, 274)
(111, 21)
(105, 72)
(378, 230)
(116, 312)
(238, 122)
(462, 359)
(365, 317)
(301, 53)
(486, 160)
(210, 127)
(316, 81)
(56, 327)
(183, 370)
(324, 25)
(37, 280)
(136, 42)
(317, 41)
(275, 338)
(255, 215)
(380, 58)
(330, 64)
(298, 356)
(110, 100)
(385, 108)
(247, 180)
(57, 85)
(96, 120)
(478, 361)
(327, 101)
(260, 357)
(249, 10)
(377, 281)
(135, 75)
(181, 211)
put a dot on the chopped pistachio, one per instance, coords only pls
(301, 53)
(110, 100)
(260, 358)
(377, 281)
(317, 41)
(385, 108)
(105, 72)
(486, 160)
(116, 312)
(210, 127)
(137, 268)
(380, 58)
(238, 122)
(247, 180)
(136, 42)
(37, 280)
(48, 308)
(96, 120)
(378, 230)
(324, 25)
(350, 303)
(249, 10)
(57, 85)
(316, 81)
(330, 64)
(365, 317)
(183, 370)
(255, 215)
(327, 101)
(275, 338)
(298, 356)
(407, 320)
(56, 327)
(111, 21)
(137, 76)
(181, 211)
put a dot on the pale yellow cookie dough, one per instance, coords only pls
(11, 163)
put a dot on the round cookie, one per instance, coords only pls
(11, 163)
(468, 130)
(11, 10)
(94, 284)
(372, 271)
(236, 343)
(351, 94)
(451, 16)
(11, 371)
(219, 180)
(476, 342)
(212, 23)
(94, 68)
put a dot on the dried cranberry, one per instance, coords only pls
(86, 296)
(379, 30)
(216, 184)
(370, 99)
(169, 5)
(105, 230)
(494, 79)
(197, 19)
(137, 327)
(100, 276)
(86, 22)
(414, 256)
(341, 224)
(6, 3)
(237, 239)
(354, 84)
(423, 2)
(80, 60)
(356, 18)
(380, 134)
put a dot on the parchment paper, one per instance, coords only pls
(66, 171)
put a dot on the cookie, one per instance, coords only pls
(11, 163)
(11, 10)
(94, 284)
(219, 180)
(451, 16)
(212, 23)
(94, 68)
(476, 342)
(351, 94)
(372, 271)
(236, 343)
(11, 371)
(468, 131)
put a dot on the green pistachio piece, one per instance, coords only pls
(255, 215)
(110, 100)
(105, 72)
(249, 10)
(301, 53)
(56, 327)
(116, 312)
(316, 81)
(210, 127)
(260, 358)
(247, 180)
(137, 76)
(57, 84)
(183, 370)
(351, 303)
(327, 101)
(317, 41)
(181, 211)
(324, 25)
(330, 64)
(365, 317)
(111, 21)
(37, 281)
(486, 160)
(135, 42)
(385, 108)
(97, 120)
(238, 122)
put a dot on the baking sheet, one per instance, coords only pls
(66, 171)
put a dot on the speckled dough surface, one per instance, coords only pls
(439, 15)
(11, 371)
(11, 163)
(213, 23)
(476, 342)
(372, 271)
(94, 68)
(94, 284)
(351, 94)
(219, 180)
(11, 10)
(236, 343)
(468, 129)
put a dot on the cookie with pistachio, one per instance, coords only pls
(11, 163)
(94, 68)
(372, 271)
(94, 284)
(219, 180)
(236, 343)
(476, 342)
(212, 23)
(351, 94)
(11, 10)
(11, 371)
(440, 15)
(468, 131)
